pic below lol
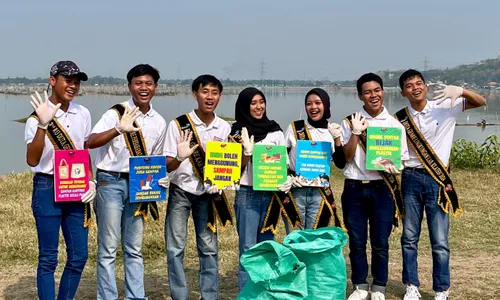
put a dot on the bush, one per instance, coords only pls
(469, 155)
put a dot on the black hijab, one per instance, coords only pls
(259, 128)
(323, 95)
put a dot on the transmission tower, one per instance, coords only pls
(426, 64)
(262, 72)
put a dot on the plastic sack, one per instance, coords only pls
(321, 251)
(275, 273)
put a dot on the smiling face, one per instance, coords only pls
(257, 107)
(314, 107)
(208, 97)
(372, 96)
(415, 90)
(65, 88)
(142, 88)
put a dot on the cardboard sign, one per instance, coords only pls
(145, 171)
(223, 165)
(383, 148)
(71, 174)
(269, 167)
(313, 163)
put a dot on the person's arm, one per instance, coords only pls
(247, 143)
(109, 127)
(359, 124)
(182, 149)
(474, 100)
(34, 148)
(338, 156)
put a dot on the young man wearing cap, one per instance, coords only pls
(426, 182)
(57, 123)
(131, 128)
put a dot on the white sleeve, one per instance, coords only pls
(346, 132)
(108, 120)
(30, 129)
(458, 106)
(280, 140)
(290, 140)
(160, 143)
(405, 155)
(170, 145)
(88, 124)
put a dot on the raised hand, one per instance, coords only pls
(247, 142)
(42, 109)
(359, 123)
(127, 121)
(447, 91)
(335, 130)
(183, 149)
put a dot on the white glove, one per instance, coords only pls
(247, 142)
(359, 123)
(183, 150)
(164, 182)
(391, 169)
(296, 182)
(42, 109)
(89, 195)
(214, 190)
(335, 130)
(285, 187)
(127, 120)
(448, 91)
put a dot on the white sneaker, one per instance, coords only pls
(378, 296)
(412, 292)
(359, 295)
(441, 295)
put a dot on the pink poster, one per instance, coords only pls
(71, 174)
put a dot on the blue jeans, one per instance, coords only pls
(250, 207)
(308, 201)
(420, 192)
(180, 203)
(115, 220)
(363, 204)
(50, 217)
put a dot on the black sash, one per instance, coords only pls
(327, 207)
(219, 209)
(390, 180)
(61, 140)
(276, 206)
(447, 196)
(136, 146)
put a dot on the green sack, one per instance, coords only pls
(275, 273)
(321, 251)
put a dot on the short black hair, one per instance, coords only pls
(410, 73)
(367, 78)
(141, 70)
(205, 80)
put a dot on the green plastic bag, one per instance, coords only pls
(321, 251)
(275, 273)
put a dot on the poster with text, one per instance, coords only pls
(313, 163)
(383, 148)
(223, 165)
(145, 171)
(269, 167)
(71, 174)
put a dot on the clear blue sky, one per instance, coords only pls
(312, 39)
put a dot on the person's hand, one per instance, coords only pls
(296, 182)
(42, 109)
(164, 182)
(89, 195)
(448, 91)
(214, 190)
(127, 120)
(183, 149)
(359, 123)
(247, 142)
(391, 169)
(287, 185)
(335, 130)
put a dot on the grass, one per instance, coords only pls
(474, 243)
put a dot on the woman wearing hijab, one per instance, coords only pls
(251, 206)
(316, 128)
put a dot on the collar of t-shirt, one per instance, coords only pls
(424, 111)
(381, 116)
(59, 113)
(150, 112)
(198, 122)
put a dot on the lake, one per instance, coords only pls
(282, 106)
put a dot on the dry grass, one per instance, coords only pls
(474, 241)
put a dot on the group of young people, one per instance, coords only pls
(372, 201)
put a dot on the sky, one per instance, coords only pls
(279, 39)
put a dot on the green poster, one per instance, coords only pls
(383, 148)
(269, 167)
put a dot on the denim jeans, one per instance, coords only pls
(250, 207)
(308, 201)
(50, 217)
(363, 204)
(420, 192)
(179, 205)
(115, 220)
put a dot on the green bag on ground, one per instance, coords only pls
(275, 273)
(321, 251)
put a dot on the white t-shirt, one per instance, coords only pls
(272, 138)
(356, 169)
(184, 176)
(77, 123)
(114, 156)
(317, 134)
(437, 125)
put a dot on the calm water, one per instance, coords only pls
(283, 107)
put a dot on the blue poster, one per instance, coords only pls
(145, 171)
(313, 163)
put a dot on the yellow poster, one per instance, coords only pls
(223, 165)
